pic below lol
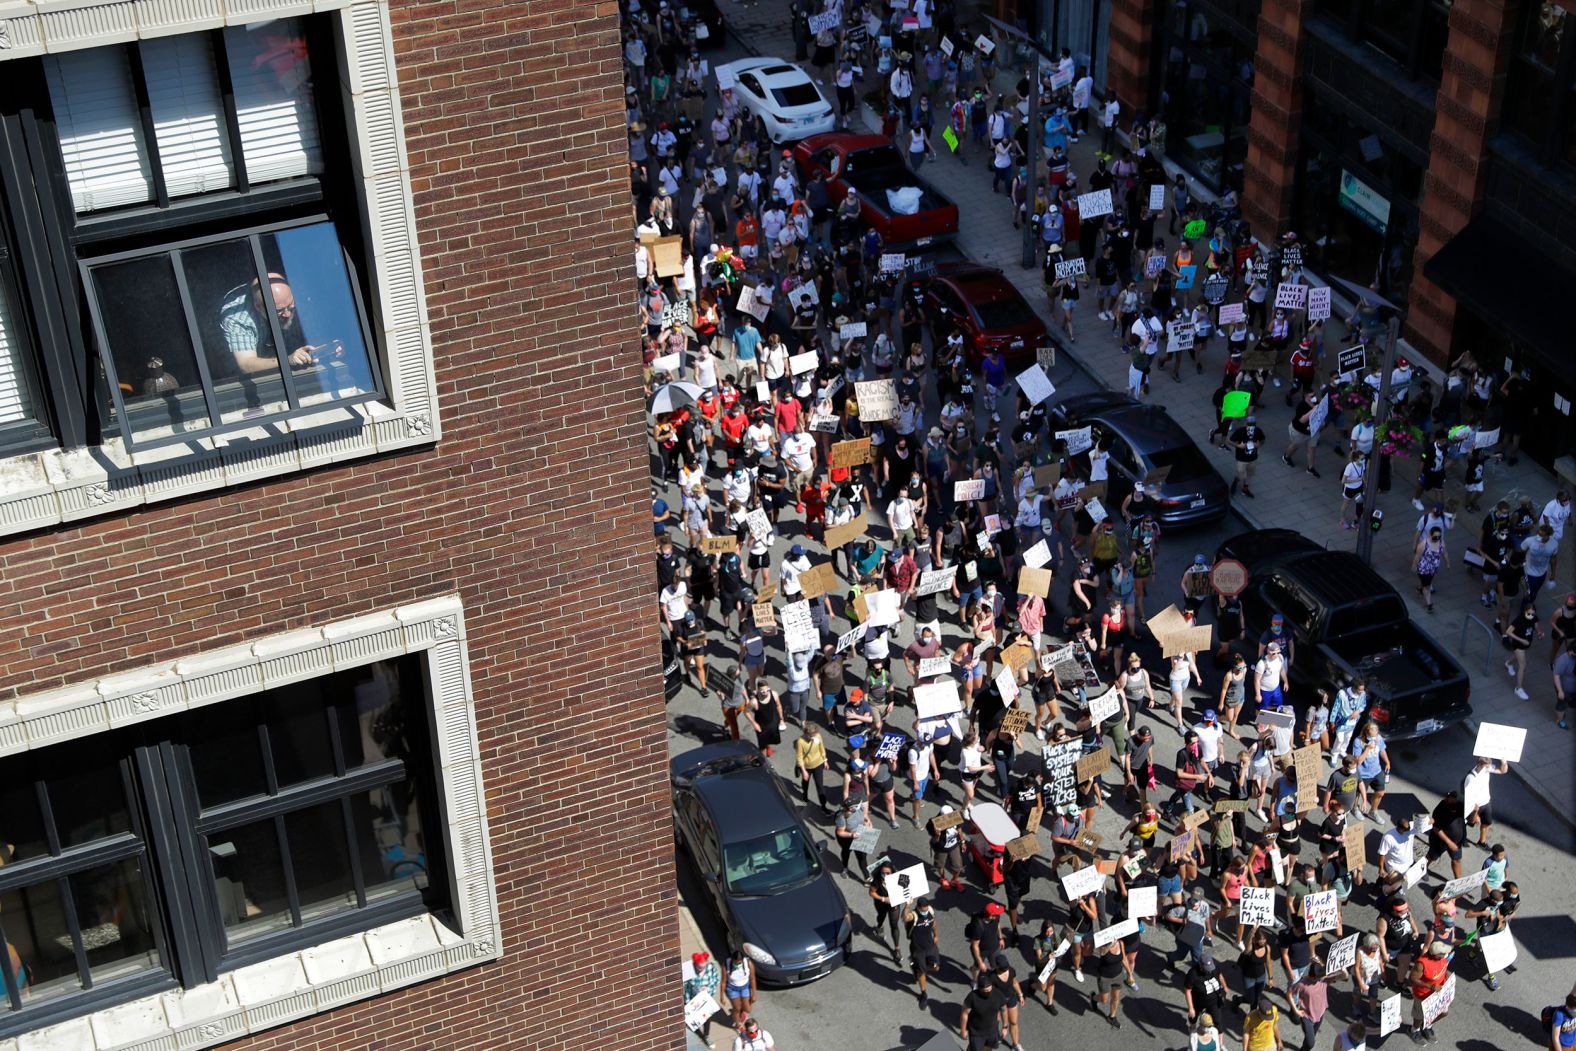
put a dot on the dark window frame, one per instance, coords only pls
(1528, 76)
(1413, 53)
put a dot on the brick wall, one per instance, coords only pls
(1127, 64)
(532, 508)
(1471, 89)
(1271, 172)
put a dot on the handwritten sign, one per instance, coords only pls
(725, 78)
(1093, 507)
(890, 746)
(1498, 741)
(1230, 313)
(1499, 950)
(885, 608)
(756, 302)
(668, 363)
(1094, 205)
(1153, 265)
(866, 840)
(1435, 1006)
(937, 699)
(1465, 885)
(877, 400)
(1389, 1014)
(1014, 723)
(1188, 640)
(935, 581)
(758, 524)
(1157, 197)
(764, 615)
(804, 296)
(930, 667)
(1318, 304)
(969, 489)
(829, 20)
(818, 580)
(851, 330)
(719, 545)
(1061, 764)
(1183, 845)
(946, 45)
(799, 364)
(1025, 846)
(1006, 685)
(1179, 336)
(1018, 655)
(1194, 818)
(1082, 882)
(1258, 907)
(1123, 929)
(1354, 843)
(1341, 955)
(799, 631)
(699, 1010)
(1079, 440)
(1073, 267)
(1290, 297)
(1035, 384)
(1032, 581)
(1321, 911)
(1222, 806)
(1105, 707)
(824, 423)
(892, 262)
(1093, 765)
(847, 533)
(942, 822)
(850, 453)
(1308, 763)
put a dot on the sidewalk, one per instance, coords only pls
(1285, 497)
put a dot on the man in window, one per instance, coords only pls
(244, 322)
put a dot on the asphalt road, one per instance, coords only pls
(870, 1003)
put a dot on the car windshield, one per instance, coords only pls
(769, 863)
(796, 95)
(1185, 461)
(1003, 313)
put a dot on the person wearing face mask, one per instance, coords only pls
(1192, 779)
(1429, 556)
(924, 947)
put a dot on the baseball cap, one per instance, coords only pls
(857, 763)
(995, 908)
(1439, 949)
(1251, 418)
(1209, 715)
(1278, 619)
(797, 550)
(999, 961)
(946, 808)
(1200, 560)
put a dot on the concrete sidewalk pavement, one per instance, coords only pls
(1284, 496)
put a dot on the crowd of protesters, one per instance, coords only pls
(762, 321)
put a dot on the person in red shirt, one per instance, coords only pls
(748, 234)
(728, 394)
(710, 405)
(901, 571)
(813, 499)
(786, 411)
(733, 424)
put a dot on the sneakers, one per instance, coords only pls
(1314, 471)
(923, 998)
(1493, 984)
(1510, 669)
(1259, 813)
(1522, 693)
(1277, 380)
(1078, 976)
(1039, 731)
(1429, 1035)
(1417, 505)
(1286, 460)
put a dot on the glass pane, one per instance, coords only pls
(250, 881)
(232, 322)
(322, 864)
(35, 927)
(183, 94)
(226, 754)
(112, 910)
(1546, 26)
(317, 313)
(372, 718)
(298, 733)
(22, 833)
(273, 99)
(387, 827)
(99, 127)
(88, 801)
(150, 347)
(16, 395)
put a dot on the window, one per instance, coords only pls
(1208, 92)
(214, 239)
(1412, 33)
(168, 853)
(1540, 92)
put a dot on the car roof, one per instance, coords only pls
(980, 284)
(733, 782)
(1147, 428)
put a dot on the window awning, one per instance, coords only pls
(1512, 284)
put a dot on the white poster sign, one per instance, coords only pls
(799, 364)
(1499, 951)
(1078, 440)
(755, 302)
(1007, 685)
(1290, 297)
(804, 295)
(1106, 706)
(1096, 511)
(935, 581)
(906, 885)
(799, 631)
(885, 608)
(1094, 205)
(1389, 1014)
(1157, 197)
(1341, 955)
(1465, 885)
(1035, 384)
(1319, 304)
(930, 667)
(668, 363)
(969, 489)
(1321, 911)
(1230, 313)
(699, 1010)
(1319, 415)
(758, 523)
(852, 330)
(892, 262)
(1435, 1006)
(877, 400)
(1258, 907)
(1498, 741)
(1082, 882)
(829, 20)
(1037, 555)
(937, 698)
(1073, 267)
(1107, 935)
(1143, 901)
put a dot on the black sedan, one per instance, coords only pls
(758, 863)
(1142, 439)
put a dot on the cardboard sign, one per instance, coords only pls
(1258, 360)
(852, 330)
(1231, 313)
(1124, 929)
(937, 698)
(906, 885)
(1435, 1006)
(877, 400)
(667, 255)
(1310, 769)
(1342, 955)
(1184, 845)
(847, 533)
(799, 364)
(865, 842)
(942, 822)
(765, 616)
(1094, 205)
(756, 302)
(892, 262)
(1258, 907)
(1167, 621)
(1222, 806)
(1389, 1014)
(1082, 882)
(1188, 640)
(1157, 197)
(1157, 477)
(1047, 475)
(1025, 846)
(850, 453)
(767, 591)
(930, 667)
(1033, 581)
(1194, 818)
(1018, 655)
(1318, 304)
(719, 545)
(1089, 842)
(1499, 950)
(1105, 707)
(1014, 722)
(1355, 844)
(1321, 911)
(1465, 885)
(1035, 384)
(818, 580)
(1498, 741)
(1073, 267)
(1290, 297)
(1093, 765)
(935, 581)
(969, 489)
(1079, 440)
(1142, 901)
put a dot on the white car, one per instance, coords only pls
(781, 94)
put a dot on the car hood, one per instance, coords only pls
(796, 924)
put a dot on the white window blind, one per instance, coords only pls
(183, 92)
(273, 100)
(16, 404)
(99, 127)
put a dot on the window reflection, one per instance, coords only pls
(112, 913)
(232, 323)
(250, 879)
(327, 354)
(39, 940)
(389, 836)
(155, 367)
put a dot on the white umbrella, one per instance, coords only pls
(671, 396)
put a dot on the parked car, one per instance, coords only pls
(672, 670)
(871, 166)
(990, 311)
(1347, 621)
(1140, 439)
(782, 95)
(759, 864)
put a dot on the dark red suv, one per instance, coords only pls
(990, 311)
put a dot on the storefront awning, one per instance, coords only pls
(1509, 283)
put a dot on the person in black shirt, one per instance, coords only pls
(689, 636)
(984, 935)
(1246, 440)
(885, 910)
(1003, 749)
(1016, 878)
(1109, 968)
(1205, 988)
(1296, 954)
(923, 944)
(1025, 795)
(1495, 549)
(981, 1025)
(702, 581)
(667, 563)
(1448, 831)
(1011, 994)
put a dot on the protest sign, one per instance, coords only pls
(1081, 882)
(947, 46)
(1228, 577)
(1007, 686)
(1310, 768)
(1485, 439)
(848, 639)
(866, 839)
(1061, 765)
(1354, 842)
(1499, 950)
(1465, 885)
(968, 489)
(668, 363)
(877, 400)
(935, 581)
(890, 746)
(725, 79)
(1194, 818)
(667, 255)
(829, 20)
(1186, 275)
(1215, 287)
(1025, 846)
(1195, 229)
(1038, 555)
(676, 314)
(1092, 765)
(1258, 360)
(1230, 313)
(1014, 722)
(1258, 907)
(950, 137)
(1093, 507)
(1291, 256)
(758, 524)
(1153, 265)
(818, 580)
(1341, 955)
(851, 330)
(1079, 440)
(1194, 639)
(885, 608)
(1094, 205)
(906, 885)
(1321, 911)
(1046, 475)
(1179, 336)
(1073, 267)
(1389, 1014)
(1222, 806)
(1035, 384)
(1184, 845)
(892, 262)
(1290, 297)
(945, 821)
(937, 698)
(763, 392)
(847, 533)
(824, 423)
(850, 453)
(1142, 901)
(930, 667)
(1157, 197)
(1435, 1006)
(1498, 741)
(764, 615)
(699, 1010)
(1018, 655)
(1088, 841)
(805, 295)
(1032, 581)
(985, 44)
(1319, 304)
(1318, 415)
(1166, 621)
(799, 630)
(1415, 874)
(1106, 935)
(719, 545)
(799, 364)
(756, 302)
(1350, 359)
(1105, 707)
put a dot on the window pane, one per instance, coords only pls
(226, 753)
(16, 397)
(322, 864)
(372, 719)
(35, 927)
(1546, 27)
(250, 880)
(298, 734)
(112, 911)
(183, 93)
(88, 801)
(99, 127)
(150, 346)
(232, 322)
(273, 99)
(388, 833)
(319, 315)
(22, 833)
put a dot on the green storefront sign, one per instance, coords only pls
(1364, 201)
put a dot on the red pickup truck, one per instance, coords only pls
(874, 167)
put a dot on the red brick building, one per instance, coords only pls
(1428, 143)
(322, 722)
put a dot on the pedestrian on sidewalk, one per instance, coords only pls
(1354, 477)
(924, 948)
(1429, 556)
(1518, 638)
(707, 979)
(1246, 441)
(1300, 431)
(1542, 548)
(1564, 681)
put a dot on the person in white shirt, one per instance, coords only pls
(900, 517)
(752, 1037)
(794, 564)
(760, 436)
(1270, 680)
(798, 452)
(1108, 114)
(774, 361)
(1555, 514)
(1395, 849)
(1099, 464)
(675, 601)
(705, 369)
(1083, 95)
(1210, 736)
(1477, 795)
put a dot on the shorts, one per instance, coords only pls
(1485, 813)
(1431, 480)
(1270, 698)
(760, 561)
(925, 960)
(738, 992)
(948, 859)
(920, 786)
(1378, 782)
(1352, 494)
(1107, 984)
(1232, 701)
(1169, 885)
(1436, 848)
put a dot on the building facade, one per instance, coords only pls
(1428, 145)
(326, 715)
